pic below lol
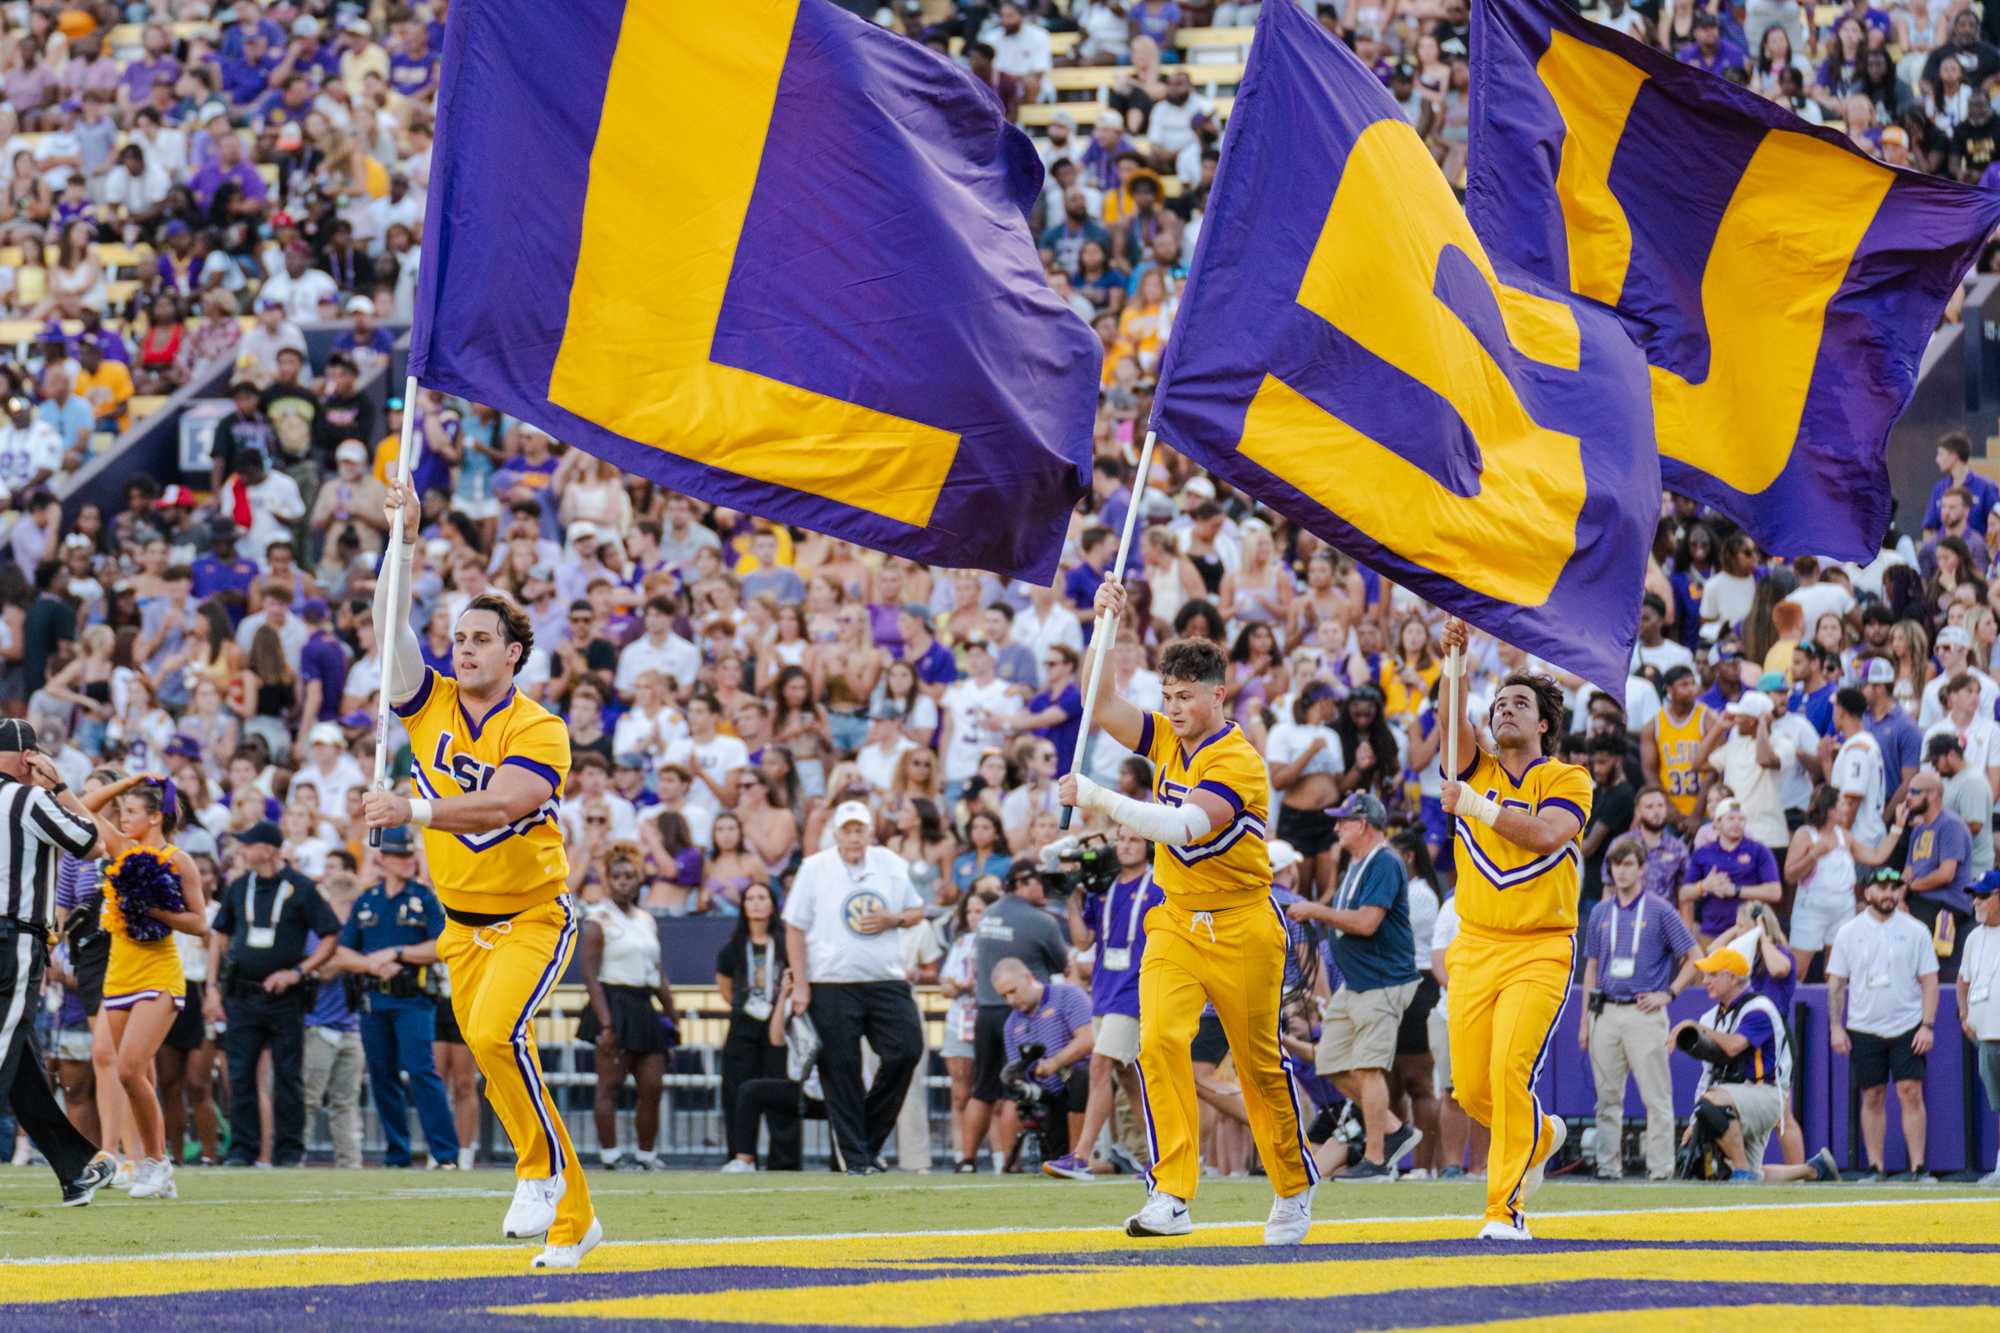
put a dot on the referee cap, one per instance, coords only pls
(16, 736)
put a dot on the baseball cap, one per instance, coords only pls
(1363, 806)
(210, 110)
(1319, 690)
(1748, 705)
(1954, 636)
(16, 736)
(1985, 884)
(398, 842)
(1881, 671)
(1728, 805)
(263, 833)
(314, 610)
(630, 760)
(1064, 119)
(76, 541)
(1283, 855)
(852, 812)
(918, 612)
(177, 496)
(351, 449)
(358, 24)
(1897, 135)
(305, 25)
(184, 746)
(1109, 120)
(1725, 959)
(359, 305)
(17, 403)
(1772, 681)
(582, 528)
(541, 574)
(328, 732)
(1201, 486)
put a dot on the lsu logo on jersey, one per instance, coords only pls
(471, 775)
(1246, 823)
(1663, 193)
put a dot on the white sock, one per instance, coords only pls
(648, 1156)
(465, 1158)
(608, 1155)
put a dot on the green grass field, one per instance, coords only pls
(250, 1210)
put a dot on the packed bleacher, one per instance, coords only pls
(193, 185)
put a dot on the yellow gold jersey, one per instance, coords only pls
(1230, 867)
(1679, 742)
(516, 866)
(1503, 886)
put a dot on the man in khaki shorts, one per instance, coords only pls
(1374, 950)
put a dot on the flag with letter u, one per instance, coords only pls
(1347, 353)
(1782, 282)
(779, 260)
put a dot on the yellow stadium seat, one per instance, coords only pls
(1045, 113)
(268, 171)
(116, 256)
(16, 333)
(1224, 105)
(1062, 43)
(121, 291)
(1189, 39)
(1173, 187)
(1825, 16)
(71, 327)
(144, 405)
(101, 441)
(1085, 78)
(31, 284)
(126, 39)
(1211, 78)
(51, 253)
(12, 256)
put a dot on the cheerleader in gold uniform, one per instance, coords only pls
(151, 889)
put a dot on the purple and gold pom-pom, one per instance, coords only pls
(144, 880)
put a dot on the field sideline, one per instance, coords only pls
(376, 1249)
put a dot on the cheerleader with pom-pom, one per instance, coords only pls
(151, 890)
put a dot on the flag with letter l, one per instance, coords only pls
(780, 262)
(1347, 354)
(1782, 282)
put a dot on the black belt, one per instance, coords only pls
(479, 918)
(1613, 1000)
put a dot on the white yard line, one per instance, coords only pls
(966, 1234)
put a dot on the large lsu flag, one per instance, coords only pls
(1347, 353)
(1782, 282)
(780, 261)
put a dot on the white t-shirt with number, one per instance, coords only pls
(719, 756)
(964, 703)
(1884, 962)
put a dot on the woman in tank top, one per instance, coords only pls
(1821, 861)
(622, 976)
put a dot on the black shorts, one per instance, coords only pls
(89, 964)
(447, 1023)
(989, 1051)
(1309, 831)
(190, 1030)
(1413, 1035)
(1210, 1044)
(1876, 1059)
(635, 1022)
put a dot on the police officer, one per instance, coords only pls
(258, 946)
(391, 940)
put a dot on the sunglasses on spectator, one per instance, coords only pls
(597, 819)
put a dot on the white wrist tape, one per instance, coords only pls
(1471, 805)
(1176, 825)
(420, 812)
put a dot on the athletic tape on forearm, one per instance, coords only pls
(1471, 805)
(402, 656)
(1176, 825)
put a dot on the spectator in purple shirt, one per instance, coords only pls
(1055, 1016)
(1710, 50)
(322, 667)
(1098, 546)
(1056, 710)
(159, 62)
(1729, 870)
(247, 79)
(933, 662)
(228, 168)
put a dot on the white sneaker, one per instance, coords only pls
(1163, 1215)
(534, 1207)
(1290, 1219)
(1991, 1179)
(122, 1178)
(569, 1256)
(154, 1179)
(1533, 1181)
(466, 1156)
(736, 1166)
(1504, 1231)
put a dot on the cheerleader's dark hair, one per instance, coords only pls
(163, 798)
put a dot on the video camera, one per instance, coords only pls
(1088, 864)
(1018, 1078)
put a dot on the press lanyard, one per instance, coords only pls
(1139, 903)
(1354, 874)
(1638, 928)
(277, 904)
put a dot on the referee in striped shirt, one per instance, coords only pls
(39, 820)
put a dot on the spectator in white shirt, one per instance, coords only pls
(135, 186)
(1954, 655)
(1171, 126)
(1751, 758)
(291, 631)
(330, 768)
(1020, 48)
(1857, 763)
(711, 758)
(397, 208)
(1979, 993)
(1816, 594)
(590, 777)
(1654, 649)
(275, 504)
(1045, 623)
(971, 707)
(1978, 735)
(659, 649)
(301, 289)
(1884, 968)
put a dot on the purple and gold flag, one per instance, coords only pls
(1347, 353)
(1782, 283)
(780, 261)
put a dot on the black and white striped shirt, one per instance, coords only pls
(34, 832)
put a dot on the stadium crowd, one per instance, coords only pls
(741, 696)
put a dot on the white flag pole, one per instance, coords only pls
(1105, 634)
(392, 564)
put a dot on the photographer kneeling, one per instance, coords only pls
(1743, 1044)
(1048, 1041)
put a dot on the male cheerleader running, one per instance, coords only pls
(1217, 939)
(489, 765)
